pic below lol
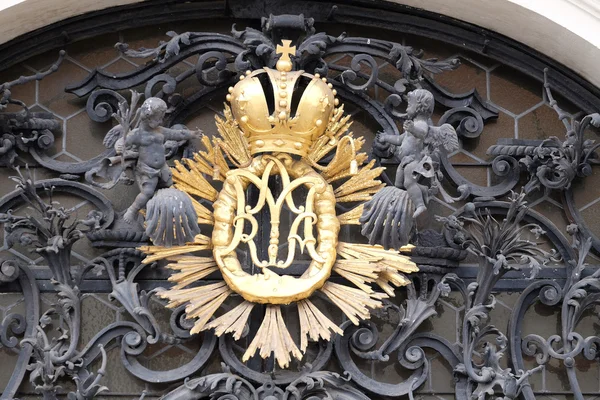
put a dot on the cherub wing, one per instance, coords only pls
(442, 136)
(112, 136)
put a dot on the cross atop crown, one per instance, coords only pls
(284, 63)
(286, 50)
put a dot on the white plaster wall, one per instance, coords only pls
(565, 30)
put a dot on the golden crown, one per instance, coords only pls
(280, 110)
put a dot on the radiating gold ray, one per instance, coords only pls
(366, 252)
(189, 261)
(337, 126)
(347, 171)
(362, 196)
(355, 303)
(273, 337)
(156, 253)
(202, 301)
(389, 264)
(192, 181)
(233, 142)
(203, 313)
(359, 272)
(198, 306)
(191, 269)
(232, 321)
(346, 154)
(314, 324)
(351, 217)
(361, 186)
(389, 275)
(199, 295)
(199, 164)
(214, 157)
(205, 216)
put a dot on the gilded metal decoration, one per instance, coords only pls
(288, 142)
(270, 192)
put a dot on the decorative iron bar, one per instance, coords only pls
(492, 227)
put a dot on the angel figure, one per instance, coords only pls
(417, 176)
(149, 137)
(416, 145)
(142, 144)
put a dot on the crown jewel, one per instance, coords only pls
(280, 110)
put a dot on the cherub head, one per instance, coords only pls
(153, 111)
(420, 102)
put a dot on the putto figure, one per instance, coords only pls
(389, 217)
(151, 169)
(141, 143)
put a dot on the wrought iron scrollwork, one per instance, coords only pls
(492, 232)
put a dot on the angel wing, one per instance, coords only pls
(442, 136)
(112, 136)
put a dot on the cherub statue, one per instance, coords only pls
(151, 169)
(143, 148)
(416, 146)
(418, 149)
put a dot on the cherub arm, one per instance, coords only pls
(395, 140)
(178, 134)
(133, 138)
(418, 129)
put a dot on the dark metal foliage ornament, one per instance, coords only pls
(226, 385)
(499, 247)
(25, 130)
(494, 232)
(579, 295)
(51, 231)
(554, 163)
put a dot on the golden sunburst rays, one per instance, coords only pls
(191, 179)
(353, 302)
(211, 161)
(363, 264)
(314, 324)
(351, 217)
(155, 253)
(371, 273)
(191, 268)
(233, 321)
(274, 338)
(338, 126)
(346, 160)
(233, 143)
(205, 216)
(202, 302)
(361, 186)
